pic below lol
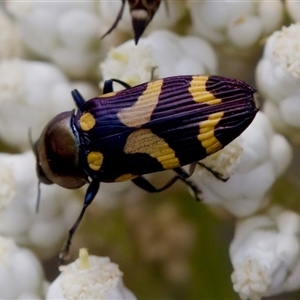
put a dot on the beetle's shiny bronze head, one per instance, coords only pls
(57, 154)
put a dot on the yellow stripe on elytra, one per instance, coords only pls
(199, 93)
(145, 141)
(95, 160)
(207, 135)
(140, 112)
(125, 177)
(87, 121)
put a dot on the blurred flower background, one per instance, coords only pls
(241, 242)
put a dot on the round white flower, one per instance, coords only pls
(32, 93)
(21, 273)
(89, 277)
(278, 79)
(265, 254)
(45, 230)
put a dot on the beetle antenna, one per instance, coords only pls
(30, 139)
(37, 206)
(79, 100)
(115, 24)
(32, 145)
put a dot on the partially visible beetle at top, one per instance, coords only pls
(141, 11)
(160, 125)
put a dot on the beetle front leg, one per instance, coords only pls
(89, 197)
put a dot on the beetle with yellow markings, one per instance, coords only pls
(161, 125)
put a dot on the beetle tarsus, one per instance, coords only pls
(215, 173)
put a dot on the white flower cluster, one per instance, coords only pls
(66, 33)
(134, 64)
(49, 48)
(278, 79)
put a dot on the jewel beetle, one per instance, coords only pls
(142, 12)
(160, 125)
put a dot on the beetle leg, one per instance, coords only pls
(79, 100)
(144, 184)
(215, 173)
(89, 197)
(108, 85)
(115, 24)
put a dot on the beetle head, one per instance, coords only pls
(57, 154)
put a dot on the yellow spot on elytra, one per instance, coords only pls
(125, 177)
(207, 135)
(140, 112)
(199, 93)
(87, 121)
(95, 160)
(145, 141)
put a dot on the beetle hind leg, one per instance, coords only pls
(144, 184)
